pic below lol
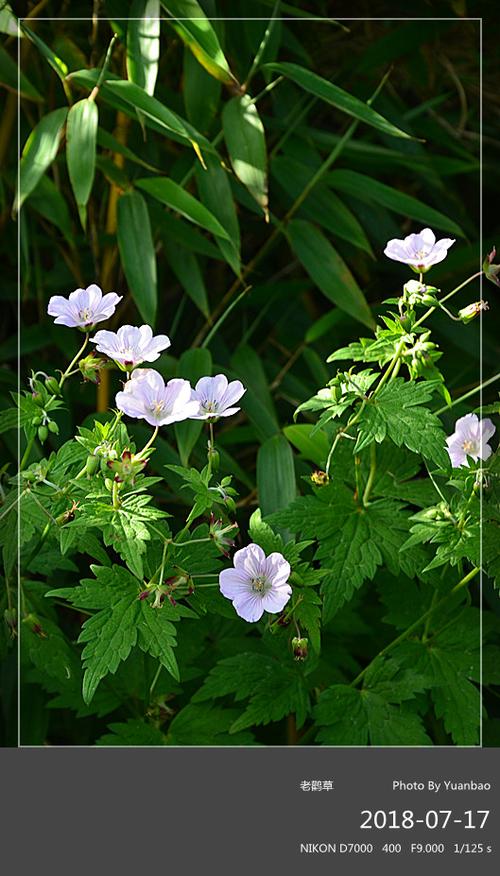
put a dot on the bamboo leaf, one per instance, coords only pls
(246, 143)
(130, 98)
(337, 97)
(201, 93)
(9, 78)
(55, 62)
(275, 475)
(199, 36)
(216, 194)
(39, 151)
(143, 43)
(367, 189)
(186, 268)
(174, 196)
(257, 401)
(328, 270)
(81, 133)
(47, 200)
(137, 253)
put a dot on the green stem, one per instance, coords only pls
(107, 59)
(371, 476)
(471, 392)
(222, 318)
(115, 495)
(26, 453)
(414, 626)
(148, 444)
(446, 297)
(70, 366)
(263, 44)
(155, 679)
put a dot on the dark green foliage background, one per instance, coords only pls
(278, 335)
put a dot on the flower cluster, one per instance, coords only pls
(145, 394)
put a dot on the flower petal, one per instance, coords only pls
(250, 608)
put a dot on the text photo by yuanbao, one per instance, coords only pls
(250, 490)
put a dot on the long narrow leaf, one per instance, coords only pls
(81, 133)
(174, 196)
(137, 253)
(39, 151)
(143, 43)
(328, 270)
(246, 143)
(199, 36)
(336, 96)
(367, 189)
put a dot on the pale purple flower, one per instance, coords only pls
(420, 251)
(217, 397)
(256, 583)
(83, 308)
(470, 439)
(147, 397)
(131, 345)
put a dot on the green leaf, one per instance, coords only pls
(397, 412)
(274, 690)
(110, 636)
(192, 365)
(314, 447)
(328, 270)
(81, 133)
(246, 144)
(199, 36)
(257, 402)
(39, 152)
(8, 21)
(186, 268)
(336, 96)
(129, 97)
(157, 637)
(47, 200)
(55, 62)
(175, 197)
(321, 206)
(353, 541)
(137, 252)
(355, 718)
(216, 194)
(205, 725)
(15, 80)
(143, 43)
(275, 474)
(367, 189)
(201, 93)
(132, 732)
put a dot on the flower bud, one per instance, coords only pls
(108, 483)
(43, 434)
(467, 314)
(213, 458)
(53, 427)
(127, 468)
(91, 365)
(52, 385)
(37, 421)
(222, 535)
(38, 399)
(92, 464)
(299, 648)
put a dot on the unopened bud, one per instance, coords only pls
(52, 385)
(43, 434)
(299, 648)
(467, 314)
(92, 464)
(53, 427)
